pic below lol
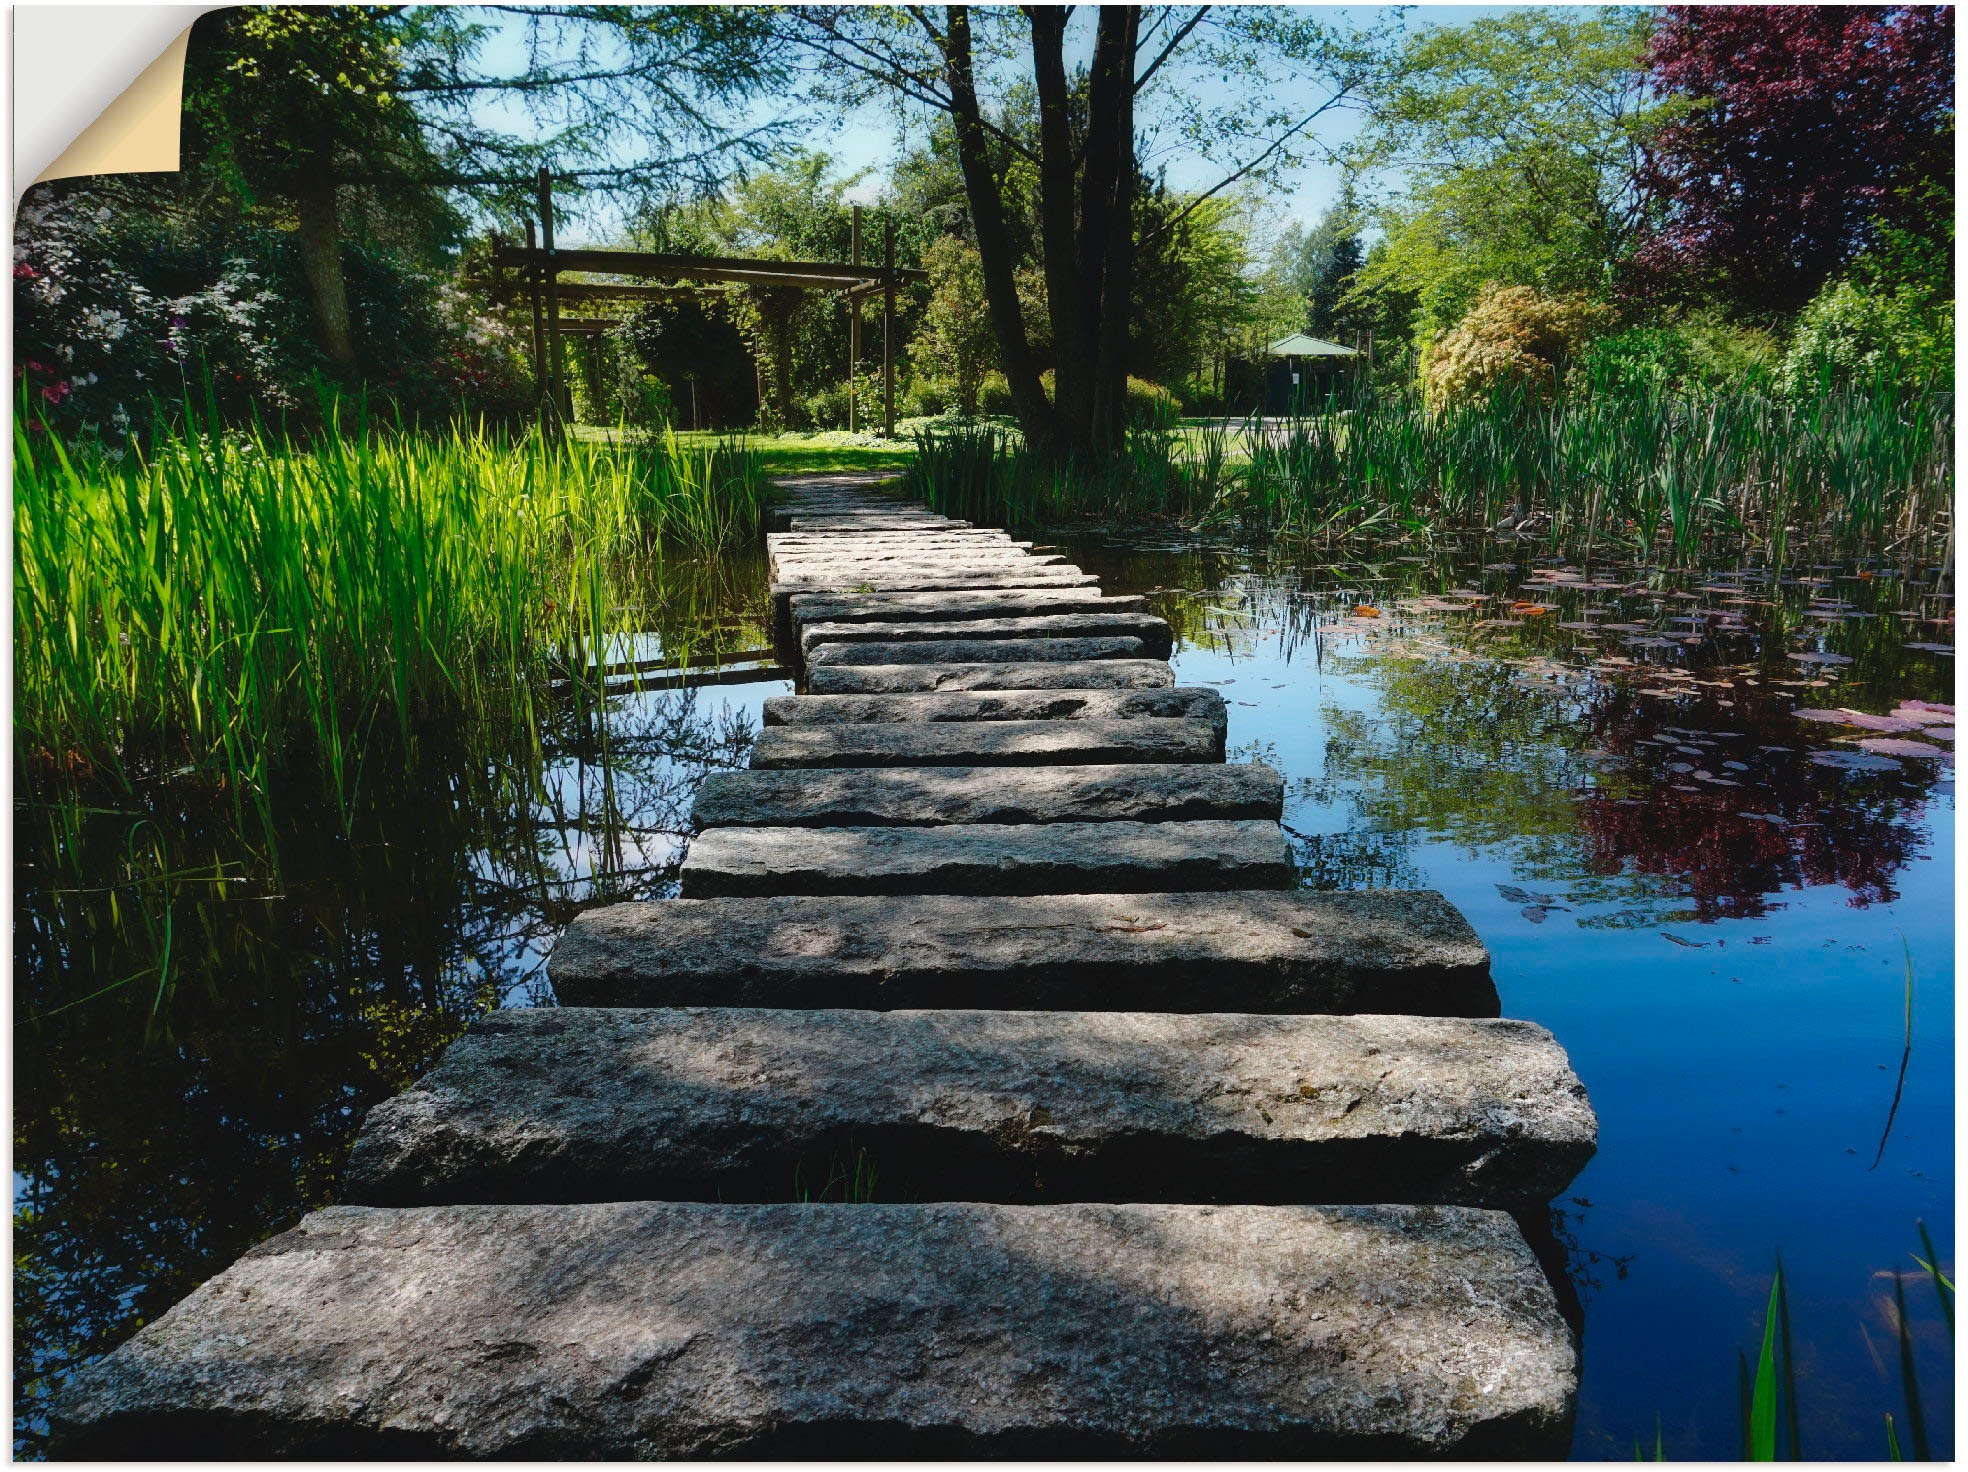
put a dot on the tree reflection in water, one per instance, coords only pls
(204, 1009)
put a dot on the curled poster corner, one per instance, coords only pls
(138, 130)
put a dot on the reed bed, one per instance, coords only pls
(1864, 467)
(225, 605)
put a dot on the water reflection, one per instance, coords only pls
(205, 1010)
(1713, 902)
(1600, 764)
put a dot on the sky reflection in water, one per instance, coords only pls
(1709, 920)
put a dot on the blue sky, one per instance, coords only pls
(871, 139)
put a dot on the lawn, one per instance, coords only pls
(815, 453)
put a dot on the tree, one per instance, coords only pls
(1323, 263)
(956, 325)
(1808, 128)
(305, 113)
(282, 102)
(1518, 139)
(1091, 122)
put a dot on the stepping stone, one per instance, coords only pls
(1065, 674)
(1152, 631)
(897, 525)
(842, 608)
(1040, 576)
(1382, 950)
(917, 560)
(1194, 702)
(866, 540)
(988, 858)
(820, 544)
(975, 651)
(855, 571)
(723, 1104)
(869, 797)
(987, 743)
(1036, 577)
(636, 1330)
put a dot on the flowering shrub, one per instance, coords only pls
(117, 311)
(1514, 335)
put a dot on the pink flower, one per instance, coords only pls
(54, 393)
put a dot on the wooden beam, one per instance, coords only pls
(818, 274)
(616, 291)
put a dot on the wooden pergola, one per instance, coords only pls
(540, 266)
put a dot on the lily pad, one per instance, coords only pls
(1812, 656)
(1854, 761)
(1947, 649)
(1899, 746)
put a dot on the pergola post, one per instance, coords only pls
(532, 279)
(854, 330)
(557, 369)
(888, 329)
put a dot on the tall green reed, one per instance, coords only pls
(1657, 472)
(223, 603)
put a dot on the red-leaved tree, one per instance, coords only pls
(1808, 124)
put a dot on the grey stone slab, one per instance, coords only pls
(635, 1330)
(797, 567)
(976, 651)
(1152, 631)
(840, 608)
(731, 1104)
(868, 522)
(987, 743)
(1065, 674)
(831, 543)
(925, 796)
(906, 562)
(1193, 702)
(1039, 576)
(988, 858)
(1406, 951)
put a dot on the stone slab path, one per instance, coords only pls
(989, 1091)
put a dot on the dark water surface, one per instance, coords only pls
(1712, 902)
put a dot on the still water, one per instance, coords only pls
(1714, 903)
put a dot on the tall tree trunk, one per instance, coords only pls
(1058, 221)
(987, 218)
(321, 262)
(1107, 249)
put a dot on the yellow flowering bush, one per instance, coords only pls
(1514, 334)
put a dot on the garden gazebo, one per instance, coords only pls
(1294, 360)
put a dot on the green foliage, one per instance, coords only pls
(1150, 406)
(1192, 295)
(1701, 353)
(1852, 332)
(994, 395)
(232, 602)
(956, 344)
(1518, 136)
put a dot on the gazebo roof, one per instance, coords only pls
(1299, 345)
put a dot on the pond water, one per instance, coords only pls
(1714, 903)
